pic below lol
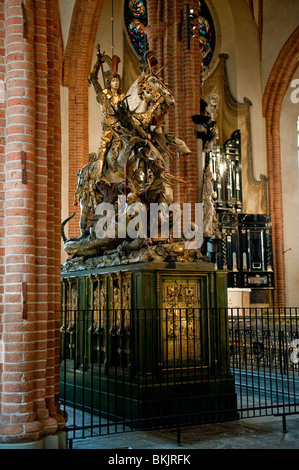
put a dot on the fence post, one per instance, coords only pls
(284, 423)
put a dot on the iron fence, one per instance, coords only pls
(124, 370)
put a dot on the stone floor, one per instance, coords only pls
(250, 433)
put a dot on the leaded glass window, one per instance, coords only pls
(206, 33)
(136, 22)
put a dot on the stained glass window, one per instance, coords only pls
(136, 21)
(206, 33)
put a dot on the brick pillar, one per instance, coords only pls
(183, 75)
(53, 348)
(30, 318)
(2, 175)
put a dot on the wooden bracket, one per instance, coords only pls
(23, 167)
(24, 300)
(25, 25)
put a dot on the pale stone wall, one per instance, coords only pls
(66, 9)
(290, 191)
(280, 20)
(104, 38)
(238, 37)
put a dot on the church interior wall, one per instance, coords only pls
(30, 194)
(104, 38)
(65, 159)
(66, 9)
(280, 20)
(249, 79)
(248, 71)
(237, 36)
(290, 192)
(239, 39)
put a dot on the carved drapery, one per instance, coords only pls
(233, 115)
(107, 319)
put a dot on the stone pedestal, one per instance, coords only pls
(56, 441)
(147, 342)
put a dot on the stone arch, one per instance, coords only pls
(76, 67)
(276, 88)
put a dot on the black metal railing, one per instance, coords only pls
(124, 370)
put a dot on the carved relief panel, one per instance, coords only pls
(120, 301)
(119, 319)
(181, 341)
(70, 296)
(98, 319)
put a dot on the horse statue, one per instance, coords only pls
(132, 163)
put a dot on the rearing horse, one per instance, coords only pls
(134, 160)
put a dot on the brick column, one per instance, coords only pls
(30, 318)
(2, 175)
(53, 347)
(182, 74)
